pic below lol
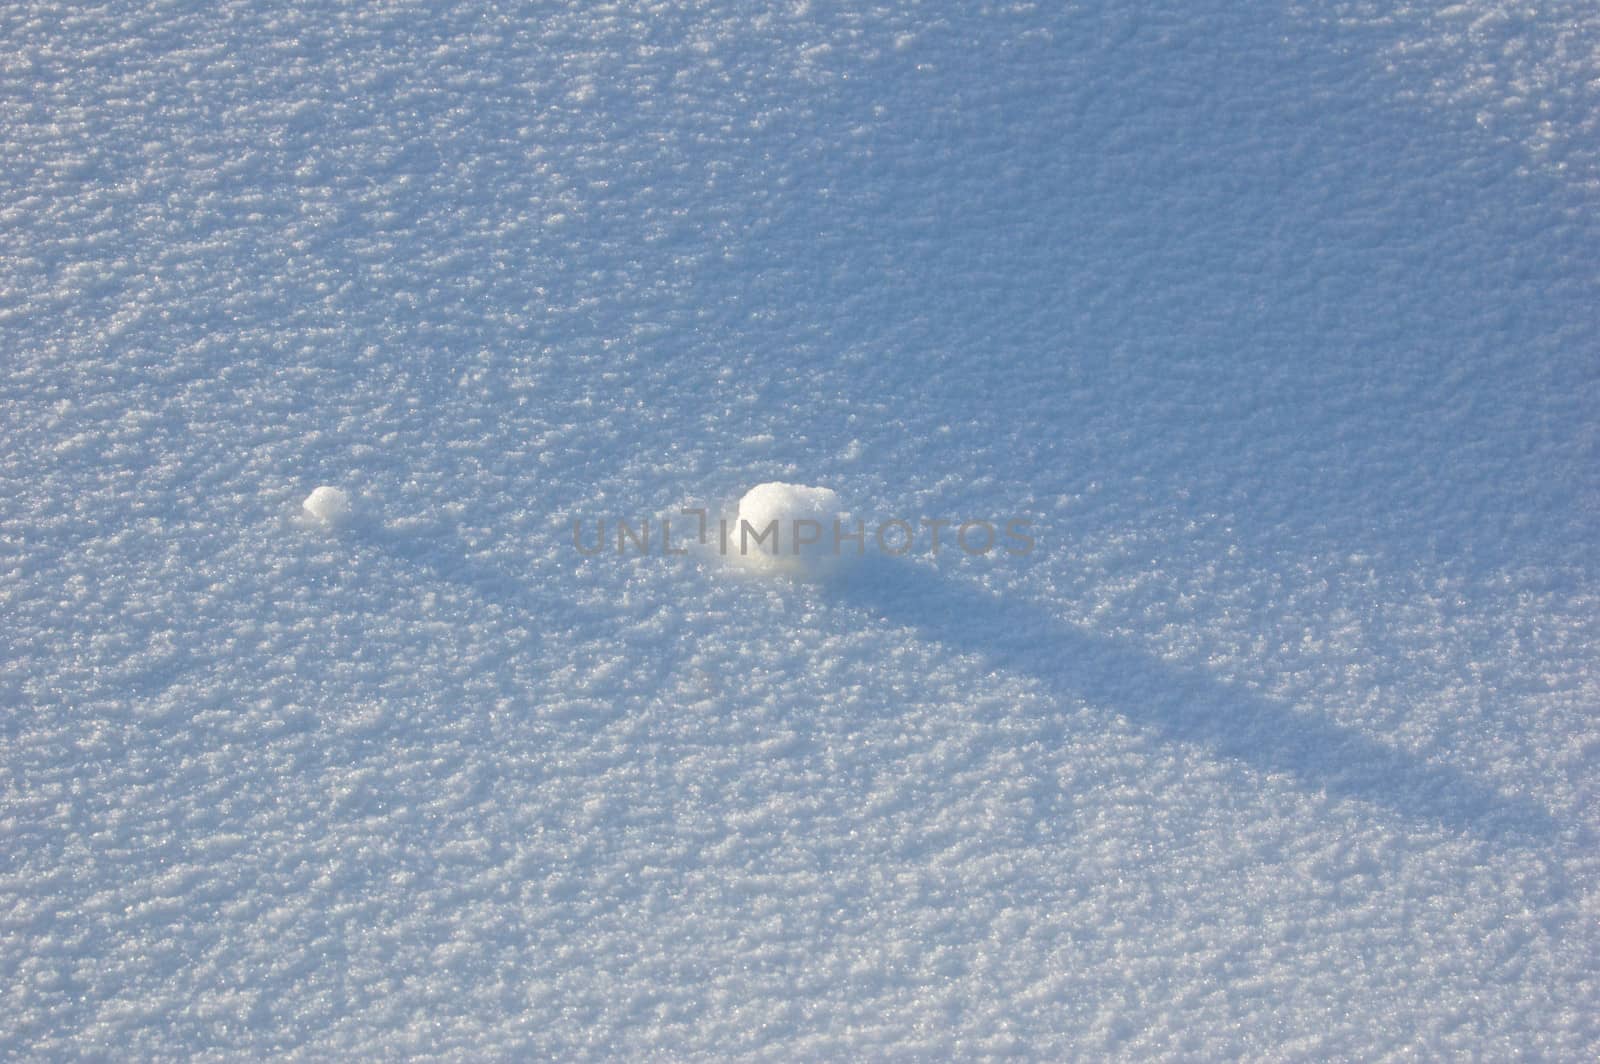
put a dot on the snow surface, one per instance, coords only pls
(1278, 322)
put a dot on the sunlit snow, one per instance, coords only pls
(1262, 338)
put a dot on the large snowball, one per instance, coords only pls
(802, 519)
(328, 505)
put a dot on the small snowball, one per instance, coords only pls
(329, 505)
(796, 526)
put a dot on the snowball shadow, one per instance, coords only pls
(1187, 704)
(440, 551)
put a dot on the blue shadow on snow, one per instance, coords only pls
(1186, 704)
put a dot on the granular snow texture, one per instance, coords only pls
(1277, 322)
